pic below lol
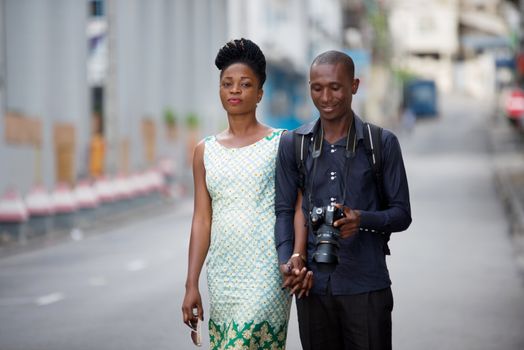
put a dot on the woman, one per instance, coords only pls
(233, 220)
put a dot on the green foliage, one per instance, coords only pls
(170, 117)
(403, 75)
(192, 121)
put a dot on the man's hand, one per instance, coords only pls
(350, 223)
(296, 277)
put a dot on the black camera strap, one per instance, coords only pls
(317, 151)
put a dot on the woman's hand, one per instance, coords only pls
(296, 276)
(192, 300)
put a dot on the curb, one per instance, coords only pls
(103, 224)
(514, 206)
(514, 209)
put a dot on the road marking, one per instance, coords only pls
(97, 281)
(77, 234)
(16, 301)
(136, 265)
(49, 299)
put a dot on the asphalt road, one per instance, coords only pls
(455, 281)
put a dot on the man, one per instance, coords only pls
(350, 303)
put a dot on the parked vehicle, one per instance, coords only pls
(420, 96)
(514, 107)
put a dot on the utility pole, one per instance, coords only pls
(520, 48)
(3, 62)
(111, 129)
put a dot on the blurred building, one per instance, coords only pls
(368, 41)
(455, 42)
(425, 38)
(129, 62)
(45, 117)
(290, 33)
(104, 87)
(488, 32)
(160, 60)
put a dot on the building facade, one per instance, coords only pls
(106, 87)
(128, 61)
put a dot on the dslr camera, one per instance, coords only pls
(326, 235)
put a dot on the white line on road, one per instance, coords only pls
(49, 299)
(16, 301)
(97, 281)
(136, 265)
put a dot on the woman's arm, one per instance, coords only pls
(300, 245)
(298, 260)
(200, 237)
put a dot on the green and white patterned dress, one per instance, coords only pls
(249, 310)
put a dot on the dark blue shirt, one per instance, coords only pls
(362, 265)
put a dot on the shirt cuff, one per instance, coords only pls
(370, 220)
(284, 252)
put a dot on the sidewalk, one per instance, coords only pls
(106, 219)
(507, 147)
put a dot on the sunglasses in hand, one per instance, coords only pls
(196, 330)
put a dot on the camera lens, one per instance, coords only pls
(327, 245)
(326, 235)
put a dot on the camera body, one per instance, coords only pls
(326, 235)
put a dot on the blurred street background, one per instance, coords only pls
(102, 102)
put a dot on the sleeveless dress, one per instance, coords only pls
(249, 310)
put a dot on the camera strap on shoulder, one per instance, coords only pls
(301, 143)
(372, 143)
(373, 146)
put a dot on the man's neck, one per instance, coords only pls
(336, 129)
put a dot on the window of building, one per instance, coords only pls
(96, 8)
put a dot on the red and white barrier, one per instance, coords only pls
(141, 184)
(104, 190)
(39, 202)
(86, 195)
(123, 188)
(154, 180)
(64, 200)
(13, 208)
(13, 218)
(65, 207)
(40, 206)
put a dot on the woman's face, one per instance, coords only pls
(239, 89)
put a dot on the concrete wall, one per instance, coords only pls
(3, 148)
(161, 54)
(164, 58)
(45, 78)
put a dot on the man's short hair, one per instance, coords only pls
(335, 57)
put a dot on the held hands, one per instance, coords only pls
(296, 276)
(350, 223)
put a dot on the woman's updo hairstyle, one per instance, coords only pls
(242, 51)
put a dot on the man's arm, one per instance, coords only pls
(397, 217)
(288, 214)
(286, 187)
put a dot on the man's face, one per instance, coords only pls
(332, 88)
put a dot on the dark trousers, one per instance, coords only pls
(346, 322)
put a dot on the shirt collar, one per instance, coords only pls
(311, 127)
